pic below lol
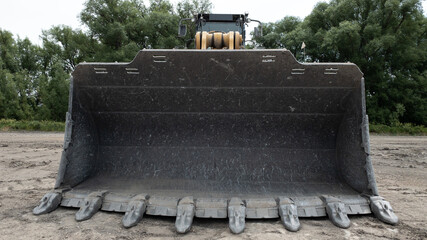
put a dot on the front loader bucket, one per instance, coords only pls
(217, 134)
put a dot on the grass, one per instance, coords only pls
(398, 129)
(11, 124)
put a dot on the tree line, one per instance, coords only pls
(34, 80)
(387, 39)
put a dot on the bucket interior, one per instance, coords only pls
(205, 136)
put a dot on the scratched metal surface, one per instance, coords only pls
(182, 122)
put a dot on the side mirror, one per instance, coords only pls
(182, 31)
(258, 31)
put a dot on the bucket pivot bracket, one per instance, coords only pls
(236, 215)
(135, 210)
(336, 212)
(383, 210)
(184, 214)
(91, 204)
(49, 202)
(288, 212)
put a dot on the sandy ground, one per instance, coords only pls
(29, 162)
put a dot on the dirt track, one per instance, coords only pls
(29, 162)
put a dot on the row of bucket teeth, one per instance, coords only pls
(236, 209)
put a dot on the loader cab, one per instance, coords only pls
(221, 23)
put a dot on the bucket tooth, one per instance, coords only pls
(48, 203)
(336, 212)
(383, 210)
(236, 215)
(288, 212)
(135, 210)
(91, 204)
(185, 214)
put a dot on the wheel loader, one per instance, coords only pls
(217, 132)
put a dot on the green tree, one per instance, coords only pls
(386, 39)
(8, 51)
(161, 30)
(117, 25)
(9, 102)
(124, 27)
(270, 38)
(71, 46)
(54, 89)
(18, 76)
(187, 9)
(161, 6)
(34, 80)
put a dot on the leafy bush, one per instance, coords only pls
(12, 124)
(398, 129)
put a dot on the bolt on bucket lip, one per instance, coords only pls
(261, 205)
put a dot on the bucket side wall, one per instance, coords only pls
(353, 145)
(79, 154)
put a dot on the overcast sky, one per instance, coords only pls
(27, 18)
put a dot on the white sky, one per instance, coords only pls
(27, 18)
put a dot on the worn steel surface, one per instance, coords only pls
(215, 125)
